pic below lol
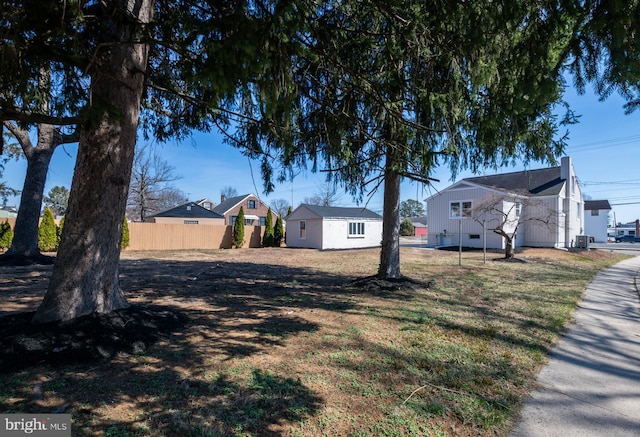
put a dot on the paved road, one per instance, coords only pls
(591, 385)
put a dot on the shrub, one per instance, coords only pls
(238, 230)
(125, 234)
(267, 238)
(406, 228)
(6, 235)
(59, 231)
(278, 232)
(47, 238)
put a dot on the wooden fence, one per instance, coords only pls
(162, 236)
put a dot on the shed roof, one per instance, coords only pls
(340, 212)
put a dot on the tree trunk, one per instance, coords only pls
(24, 247)
(390, 255)
(85, 274)
(508, 248)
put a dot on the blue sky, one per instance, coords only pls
(602, 147)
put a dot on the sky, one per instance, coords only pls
(602, 147)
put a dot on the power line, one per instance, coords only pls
(603, 144)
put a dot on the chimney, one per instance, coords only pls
(565, 168)
(221, 198)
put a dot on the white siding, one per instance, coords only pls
(596, 225)
(539, 233)
(336, 234)
(444, 230)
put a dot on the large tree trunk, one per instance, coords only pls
(24, 247)
(390, 255)
(85, 274)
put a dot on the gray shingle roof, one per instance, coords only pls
(189, 210)
(596, 204)
(542, 182)
(225, 206)
(334, 212)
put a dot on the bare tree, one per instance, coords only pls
(505, 213)
(170, 197)
(325, 195)
(149, 185)
(280, 207)
(228, 192)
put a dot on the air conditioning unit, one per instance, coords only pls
(582, 241)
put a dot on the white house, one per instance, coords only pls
(596, 219)
(327, 227)
(545, 206)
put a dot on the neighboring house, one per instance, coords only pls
(551, 194)
(206, 203)
(419, 226)
(631, 228)
(596, 219)
(188, 214)
(327, 227)
(255, 212)
(8, 212)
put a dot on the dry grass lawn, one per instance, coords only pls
(292, 342)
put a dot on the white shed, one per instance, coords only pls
(328, 227)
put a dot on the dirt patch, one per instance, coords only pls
(90, 338)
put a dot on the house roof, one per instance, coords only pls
(189, 210)
(596, 204)
(201, 202)
(541, 182)
(418, 221)
(340, 212)
(228, 204)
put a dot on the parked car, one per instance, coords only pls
(627, 239)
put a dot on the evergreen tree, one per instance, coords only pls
(267, 238)
(59, 230)
(124, 243)
(47, 238)
(238, 230)
(406, 228)
(278, 232)
(6, 235)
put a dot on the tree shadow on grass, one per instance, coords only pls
(157, 353)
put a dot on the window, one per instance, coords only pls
(474, 236)
(303, 230)
(251, 204)
(191, 222)
(356, 229)
(248, 222)
(233, 219)
(459, 209)
(263, 221)
(595, 212)
(518, 209)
